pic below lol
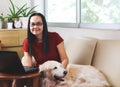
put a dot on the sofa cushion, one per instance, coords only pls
(80, 50)
(107, 59)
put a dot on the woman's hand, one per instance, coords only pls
(27, 59)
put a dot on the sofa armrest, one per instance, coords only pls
(107, 59)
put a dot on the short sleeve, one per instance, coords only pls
(58, 38)
(25, 45)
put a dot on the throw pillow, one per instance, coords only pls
(80, 50)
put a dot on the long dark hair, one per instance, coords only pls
(31, 37)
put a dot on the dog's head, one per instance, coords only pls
(56, 71)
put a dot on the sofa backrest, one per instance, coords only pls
(82, 32)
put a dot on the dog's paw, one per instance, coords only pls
(48, 65)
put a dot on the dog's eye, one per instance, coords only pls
(55, 67)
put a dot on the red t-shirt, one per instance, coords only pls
(54, 40)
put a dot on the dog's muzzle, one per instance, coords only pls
(62, 77)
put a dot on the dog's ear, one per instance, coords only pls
(47, 74)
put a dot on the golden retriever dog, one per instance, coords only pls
(85, 76)
(54, 75)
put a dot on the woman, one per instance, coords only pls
(41, 44)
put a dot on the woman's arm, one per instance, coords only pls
(27, 59)
(63, 54)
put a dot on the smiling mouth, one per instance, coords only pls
(59, 78)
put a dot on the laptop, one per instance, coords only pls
(10, 63)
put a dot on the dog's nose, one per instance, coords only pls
(65, 72)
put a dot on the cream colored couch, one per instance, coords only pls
(100, 48)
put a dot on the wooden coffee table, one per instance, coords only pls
(7, 79)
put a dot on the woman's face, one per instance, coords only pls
(36, 25)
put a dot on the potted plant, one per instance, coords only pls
(15, 12)
(25, 13)
(9, 23)
(1, 20)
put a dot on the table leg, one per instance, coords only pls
(36, 81)
(5, 83)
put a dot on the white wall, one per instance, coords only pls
(4, 5)
(67, 33)
(40, 5)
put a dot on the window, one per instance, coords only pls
(59, 12)
(83, 13)
(100, 11)
(103, 14)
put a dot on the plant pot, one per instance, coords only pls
(9, 25)
(4, 24)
